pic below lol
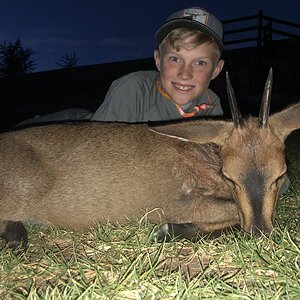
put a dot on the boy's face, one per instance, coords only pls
(186, 74)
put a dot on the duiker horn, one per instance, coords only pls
(266, 100)
(235, 112)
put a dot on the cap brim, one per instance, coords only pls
(171, 25)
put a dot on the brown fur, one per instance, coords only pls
(194, 173)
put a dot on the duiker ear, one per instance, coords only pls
(286, 121)
(197, 131)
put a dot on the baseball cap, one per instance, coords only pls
(196, 18)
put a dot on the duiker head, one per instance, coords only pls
(254, 164)
(253, 155)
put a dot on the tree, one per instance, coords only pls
(68, 60)
(14, 59)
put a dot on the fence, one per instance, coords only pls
(264, 29)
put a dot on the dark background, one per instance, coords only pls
(114, 30)
(25, 96)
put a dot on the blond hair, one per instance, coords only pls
(177, 39)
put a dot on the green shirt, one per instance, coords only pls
(135, 98)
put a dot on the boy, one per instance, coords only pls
(187, 58)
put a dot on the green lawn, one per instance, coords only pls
(124, 263)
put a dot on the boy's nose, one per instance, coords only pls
(185, 72)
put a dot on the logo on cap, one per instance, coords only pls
(201, 18)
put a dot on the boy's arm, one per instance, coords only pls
(121, 103)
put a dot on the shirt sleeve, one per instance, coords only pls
(122, 103)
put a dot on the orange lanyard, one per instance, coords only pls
(196, 108)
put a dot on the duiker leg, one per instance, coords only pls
(195, 218)
(169, 231)
(190, 231)
(14, 233)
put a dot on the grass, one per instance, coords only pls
(123, 262)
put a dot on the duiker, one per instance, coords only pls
(198, 176)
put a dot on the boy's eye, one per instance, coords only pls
(174, 58)
(201, 63)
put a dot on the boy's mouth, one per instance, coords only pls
(182, 88)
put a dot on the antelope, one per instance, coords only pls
(196, 177)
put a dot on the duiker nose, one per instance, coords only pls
(258, 232)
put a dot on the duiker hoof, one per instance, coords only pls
(169, 231)
(162, 234)
(15, 235)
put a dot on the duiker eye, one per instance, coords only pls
(229, 180)
(280, 179)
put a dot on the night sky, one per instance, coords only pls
(107, 31)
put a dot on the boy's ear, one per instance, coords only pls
(218, 69)
(157, 59)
